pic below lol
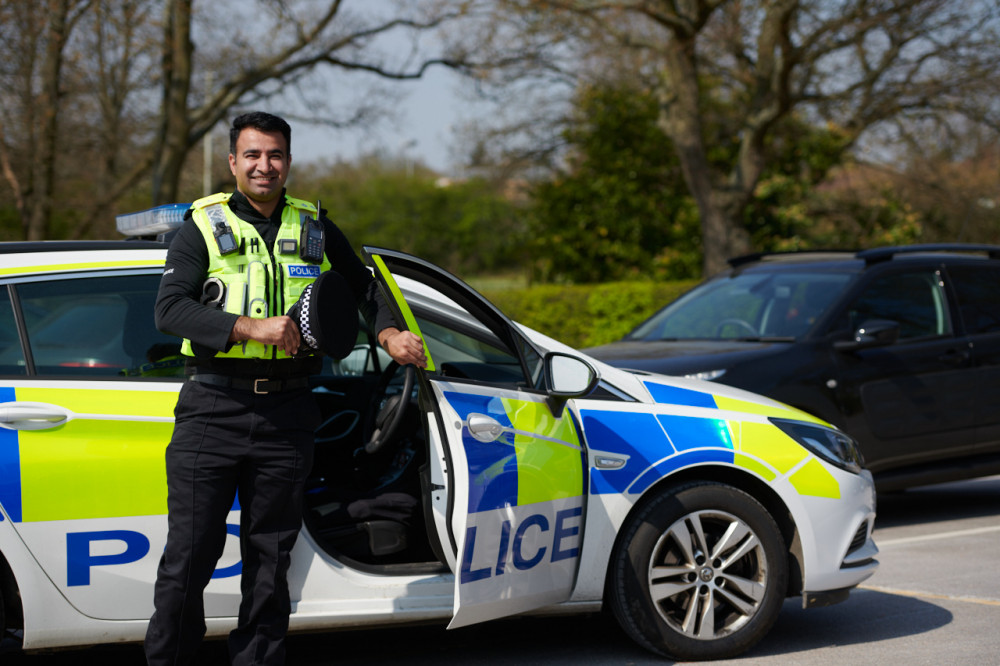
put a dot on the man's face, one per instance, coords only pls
(260, 164)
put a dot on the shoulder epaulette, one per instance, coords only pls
(212, 199)
(300, 203)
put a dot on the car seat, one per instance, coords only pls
(368, 527)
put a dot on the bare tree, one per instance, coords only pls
(868, 67)
(44, 35)
(146, 86)
(266, 57)
(114, 103)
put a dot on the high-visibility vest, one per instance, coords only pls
(258, 283)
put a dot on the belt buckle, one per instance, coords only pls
(256, 386)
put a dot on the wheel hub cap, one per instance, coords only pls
(708, 574)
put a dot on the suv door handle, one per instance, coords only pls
(954, 357)
(31, 416)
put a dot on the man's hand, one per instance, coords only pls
(403, 346)
(279, 331)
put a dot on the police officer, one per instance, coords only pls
(245, 417)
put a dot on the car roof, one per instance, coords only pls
(18, 247)
(20, 259)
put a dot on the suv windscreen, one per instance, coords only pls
(748, 305)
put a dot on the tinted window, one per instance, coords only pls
(747, 305)
(100, 326)
(978, 289)
(915, 300)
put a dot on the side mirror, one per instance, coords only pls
(872, 333)
(567, 377)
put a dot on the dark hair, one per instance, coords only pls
(263, 122)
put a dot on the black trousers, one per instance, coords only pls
(228, 442)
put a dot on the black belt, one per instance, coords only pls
(259, 386)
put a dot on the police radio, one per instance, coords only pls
(311, 240)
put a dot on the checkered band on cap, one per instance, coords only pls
(307, 335)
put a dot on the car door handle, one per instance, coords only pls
(31, 416)
(954, 357)
(484, 428)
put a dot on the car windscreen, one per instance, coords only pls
(747, 306)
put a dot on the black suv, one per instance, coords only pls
(898, 346)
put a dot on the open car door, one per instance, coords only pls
(512, 461)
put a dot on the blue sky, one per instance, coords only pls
(431, 108)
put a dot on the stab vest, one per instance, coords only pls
(258, 283)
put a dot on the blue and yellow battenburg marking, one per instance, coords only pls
(84, 469)
(658, 445)
(537, 459)
(526, 490)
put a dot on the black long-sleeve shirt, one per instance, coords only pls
(179, 310)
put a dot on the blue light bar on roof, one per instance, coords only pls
(154, 221)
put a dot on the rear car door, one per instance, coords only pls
(908, 401)
(977, 290)
(516, 483)
(87, 390)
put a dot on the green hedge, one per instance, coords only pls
(586, 315)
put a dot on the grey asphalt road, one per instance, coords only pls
(935, 600)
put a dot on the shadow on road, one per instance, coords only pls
(947, 501)
(866, 617)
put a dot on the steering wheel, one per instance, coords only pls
(735, 322)
(382, 422)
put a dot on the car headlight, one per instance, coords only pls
(707, 375)
(833, 446)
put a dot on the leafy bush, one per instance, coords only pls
(587, 315)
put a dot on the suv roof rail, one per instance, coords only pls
(757, 256)
(878, 254)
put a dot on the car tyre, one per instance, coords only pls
(700, 573)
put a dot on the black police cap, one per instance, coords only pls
(327, 316)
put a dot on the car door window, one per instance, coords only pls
(914, 299)
(12, 362)
(99, 326)
(468, 352)
(978, 290)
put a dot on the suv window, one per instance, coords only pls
(100, 326)
(978, 289)
(915, 300)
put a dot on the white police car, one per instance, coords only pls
(513, 475)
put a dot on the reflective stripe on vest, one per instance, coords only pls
(258, 284)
